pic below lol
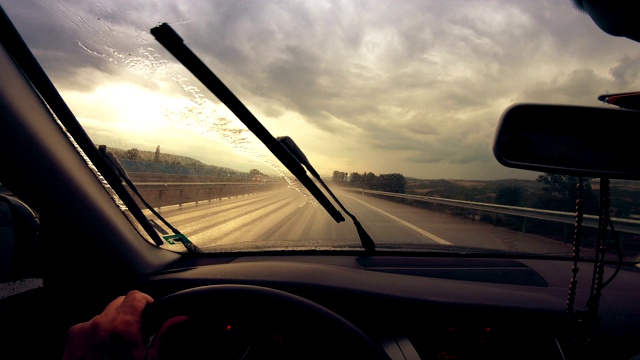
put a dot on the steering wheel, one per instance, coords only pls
(252, 322)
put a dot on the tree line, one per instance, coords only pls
(559, 192)
(367, 180)
(142, 161)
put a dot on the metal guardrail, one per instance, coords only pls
(159, 194)
(621, 225)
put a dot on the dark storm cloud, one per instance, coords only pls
(69, 37)
(428, 78)
(579, 87)
(582, 86)
(627, 72)
(34, 22)
(384, 67)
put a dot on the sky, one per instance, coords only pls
(410, 87)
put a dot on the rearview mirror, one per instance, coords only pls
(569, 140)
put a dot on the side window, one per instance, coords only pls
(19, 246)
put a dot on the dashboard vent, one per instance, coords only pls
(501, 271)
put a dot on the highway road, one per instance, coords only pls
(286, 219)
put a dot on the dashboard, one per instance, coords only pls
(413, 307)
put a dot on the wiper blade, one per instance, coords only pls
(118, 169)
(168, 38)
(290, 145)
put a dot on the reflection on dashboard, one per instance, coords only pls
(483, 341)
(188, 339)
(232, 340)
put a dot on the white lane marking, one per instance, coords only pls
(410, 226)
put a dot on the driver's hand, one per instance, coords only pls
(114, 334)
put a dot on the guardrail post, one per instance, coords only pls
(524, 224)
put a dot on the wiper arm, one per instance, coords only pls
(168, 38)
(33, 72)
(118, 169)
(290, 145)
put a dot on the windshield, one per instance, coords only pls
(395, 104)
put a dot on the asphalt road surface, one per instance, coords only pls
(286, 219)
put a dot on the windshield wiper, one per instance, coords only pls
(118, 169)
(34, 73)
(290, 145)
(168, 38)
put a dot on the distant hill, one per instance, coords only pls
(144, 155)
(176, 167)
